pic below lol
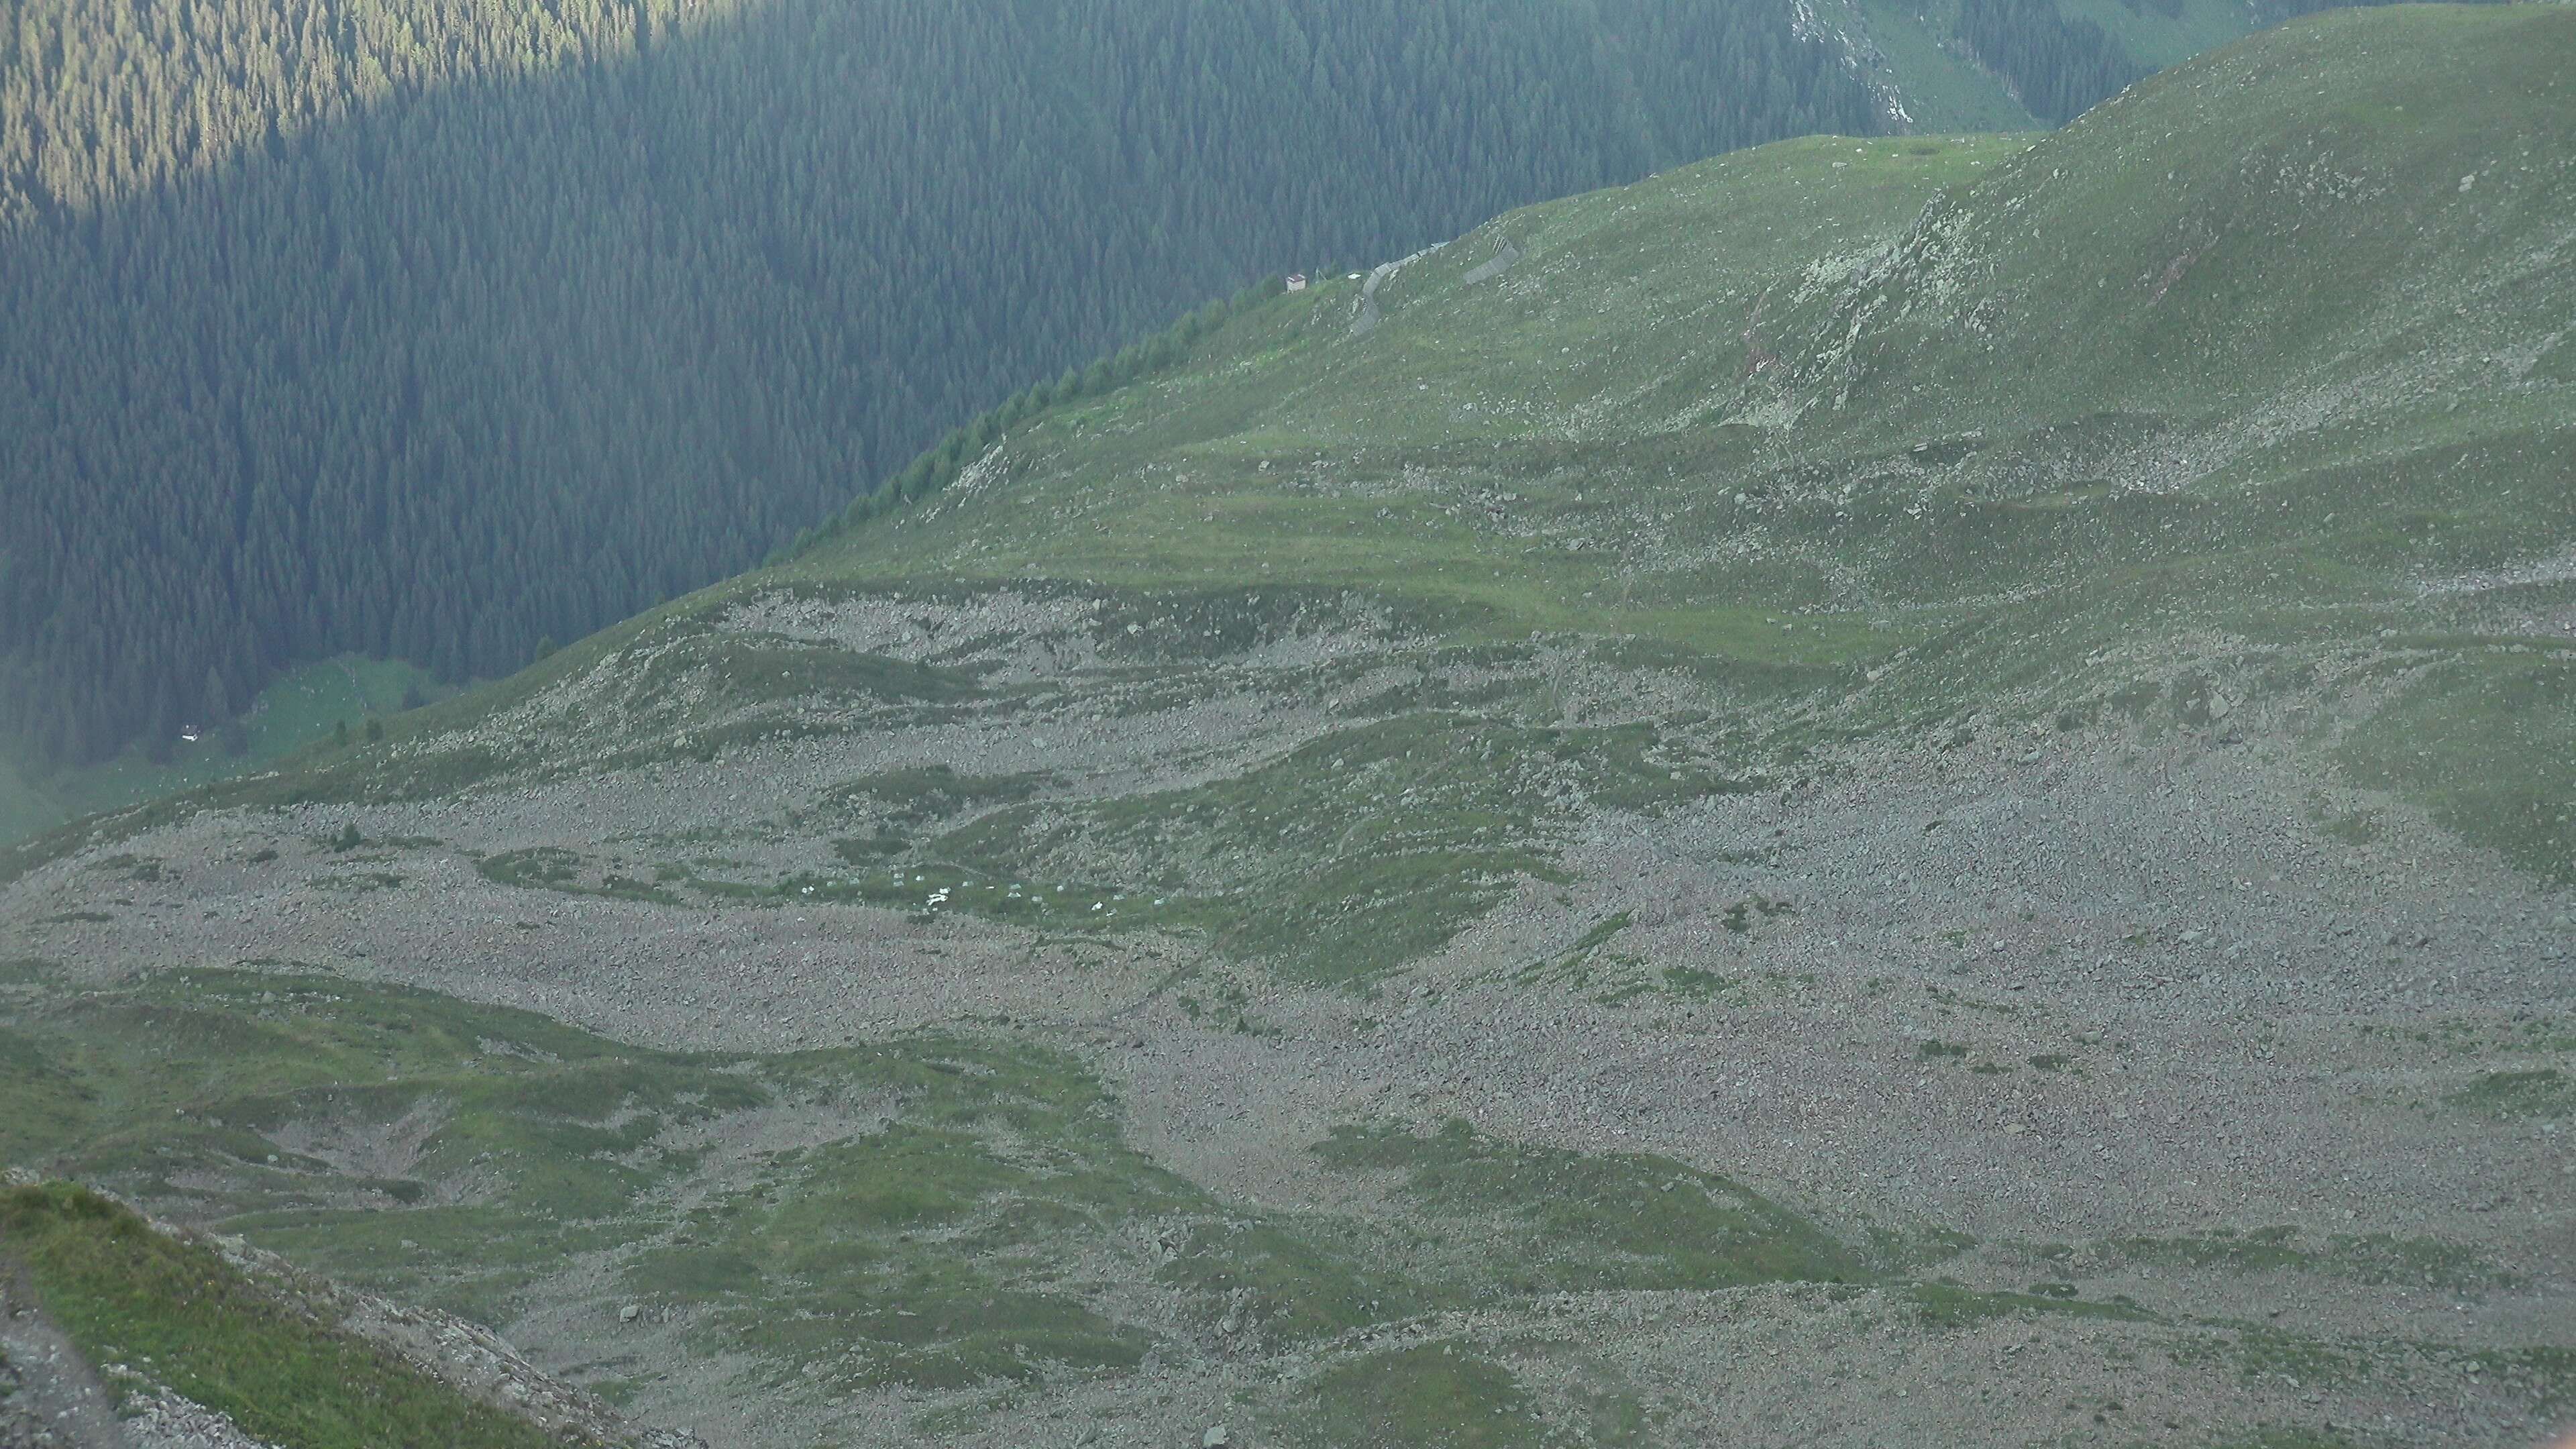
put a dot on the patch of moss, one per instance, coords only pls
(1948, 1305)
(2358, 1257)
(1436, 1396)
(2544, 1376)
(2487, 742)
(915, 796)
(1578, 1221)
(2543, 1092)
(1297, 1280)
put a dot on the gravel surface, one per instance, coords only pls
(2060, 991)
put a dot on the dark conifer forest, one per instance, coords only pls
(2056, 65)
(433, 332)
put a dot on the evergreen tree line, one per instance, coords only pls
(2057, 65)
(937, 467)
(432, 331)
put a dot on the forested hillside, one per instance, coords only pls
(435, 334)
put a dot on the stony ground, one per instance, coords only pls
(2092, 999)
(1896, 792)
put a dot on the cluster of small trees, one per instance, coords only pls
(937, 467)
(2058, 66)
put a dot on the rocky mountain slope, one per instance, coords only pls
(1879, 791)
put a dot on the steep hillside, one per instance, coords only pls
(441, 335)
(1902, 790)
(115, 1331)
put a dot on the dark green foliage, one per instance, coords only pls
(442, 336)
(2501, 774)
(2057, 67)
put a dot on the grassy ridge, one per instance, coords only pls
(1920, 429)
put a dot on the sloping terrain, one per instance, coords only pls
(116, 1331)
(1878, 791)
(442, 335)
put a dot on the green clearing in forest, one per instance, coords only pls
(297, 710)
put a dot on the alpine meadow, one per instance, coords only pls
(1309, 723)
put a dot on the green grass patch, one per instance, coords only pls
(2543, 1092)
(1571, 1221)
(126, 1294)
(913, 797)
(767, 670)
(298, 709)
(1439, 1396)
(1302, 1279)
(470, 1156)
(2487, 743)
(1349, 856)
